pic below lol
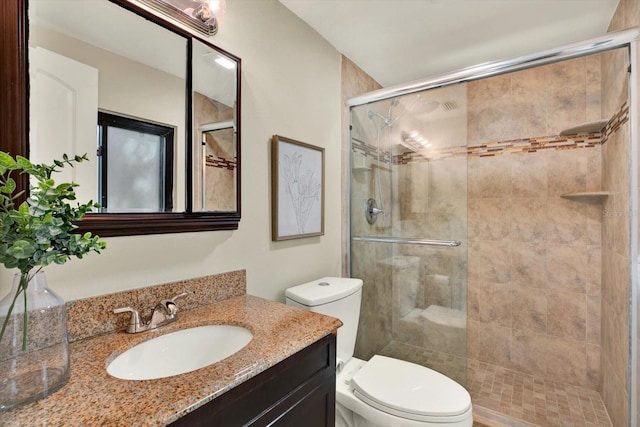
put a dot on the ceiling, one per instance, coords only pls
(398, 41)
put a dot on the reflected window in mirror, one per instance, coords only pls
(135, 165)
(78, 67)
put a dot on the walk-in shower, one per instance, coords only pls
(494, 232)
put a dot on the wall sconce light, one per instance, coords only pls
(201, 15)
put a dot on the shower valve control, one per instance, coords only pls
(372, 211)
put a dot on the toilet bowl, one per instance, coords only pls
(386, 392)
(381, 392)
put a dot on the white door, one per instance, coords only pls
(63, 116)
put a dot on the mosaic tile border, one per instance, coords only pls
(367, 150)
(516, 146)
(618, 119)
(220, 162)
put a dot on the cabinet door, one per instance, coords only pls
(299, 391)
(315, 409)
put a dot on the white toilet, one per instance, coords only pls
(383, 392)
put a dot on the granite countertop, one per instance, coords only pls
(94, 398)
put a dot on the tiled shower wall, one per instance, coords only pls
(534, 257)
(614, 366)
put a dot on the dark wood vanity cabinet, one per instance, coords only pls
(298, 391)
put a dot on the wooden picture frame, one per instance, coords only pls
(297, 189)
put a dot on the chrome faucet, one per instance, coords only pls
(164, 312)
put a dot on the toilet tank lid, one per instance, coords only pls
(324, 290)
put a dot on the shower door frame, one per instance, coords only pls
(629, 38)
(634, 230)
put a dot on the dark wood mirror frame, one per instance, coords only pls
(14, 131)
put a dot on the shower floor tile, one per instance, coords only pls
(518, 399)
(503, 397)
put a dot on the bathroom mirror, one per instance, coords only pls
(140, 96)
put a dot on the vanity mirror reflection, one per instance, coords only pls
(155, 109)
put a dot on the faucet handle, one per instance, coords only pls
(170, 304)
(182, 295)
(135, 324)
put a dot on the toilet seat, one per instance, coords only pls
(409, 391)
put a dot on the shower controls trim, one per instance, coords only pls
(372, 211)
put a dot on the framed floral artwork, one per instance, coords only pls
(297, 189)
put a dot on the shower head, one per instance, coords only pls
(386, 121)
(429, 104)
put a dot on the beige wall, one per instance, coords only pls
(290, 87)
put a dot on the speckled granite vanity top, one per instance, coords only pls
(94, 398)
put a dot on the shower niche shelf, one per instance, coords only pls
(586, 195)
(585, 128)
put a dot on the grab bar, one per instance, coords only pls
(409, 241)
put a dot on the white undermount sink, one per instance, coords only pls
(179, 352)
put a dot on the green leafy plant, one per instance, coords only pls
(39, 231)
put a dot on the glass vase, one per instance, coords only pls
(34, 348)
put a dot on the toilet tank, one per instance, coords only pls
(337, 297)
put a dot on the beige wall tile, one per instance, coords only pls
(489, 177)
(594, 82)
(529, 104)
(567, 361)
(593, 366)
(594, 309)
(490, 303)
(489, 110)
(528, 264)
(566, 267)
(529, 353)
(594, 168)
(593, 214)
(567, 172)
(489, 343)
(566, 314)
(529, 219)
(529, 310)
(567, 106)
(489, 219)
(566, 221)
(615, 331)
(529, 174)
(594, 271)
(489, 261)
(615, 397)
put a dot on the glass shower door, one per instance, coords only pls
(408, 228)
